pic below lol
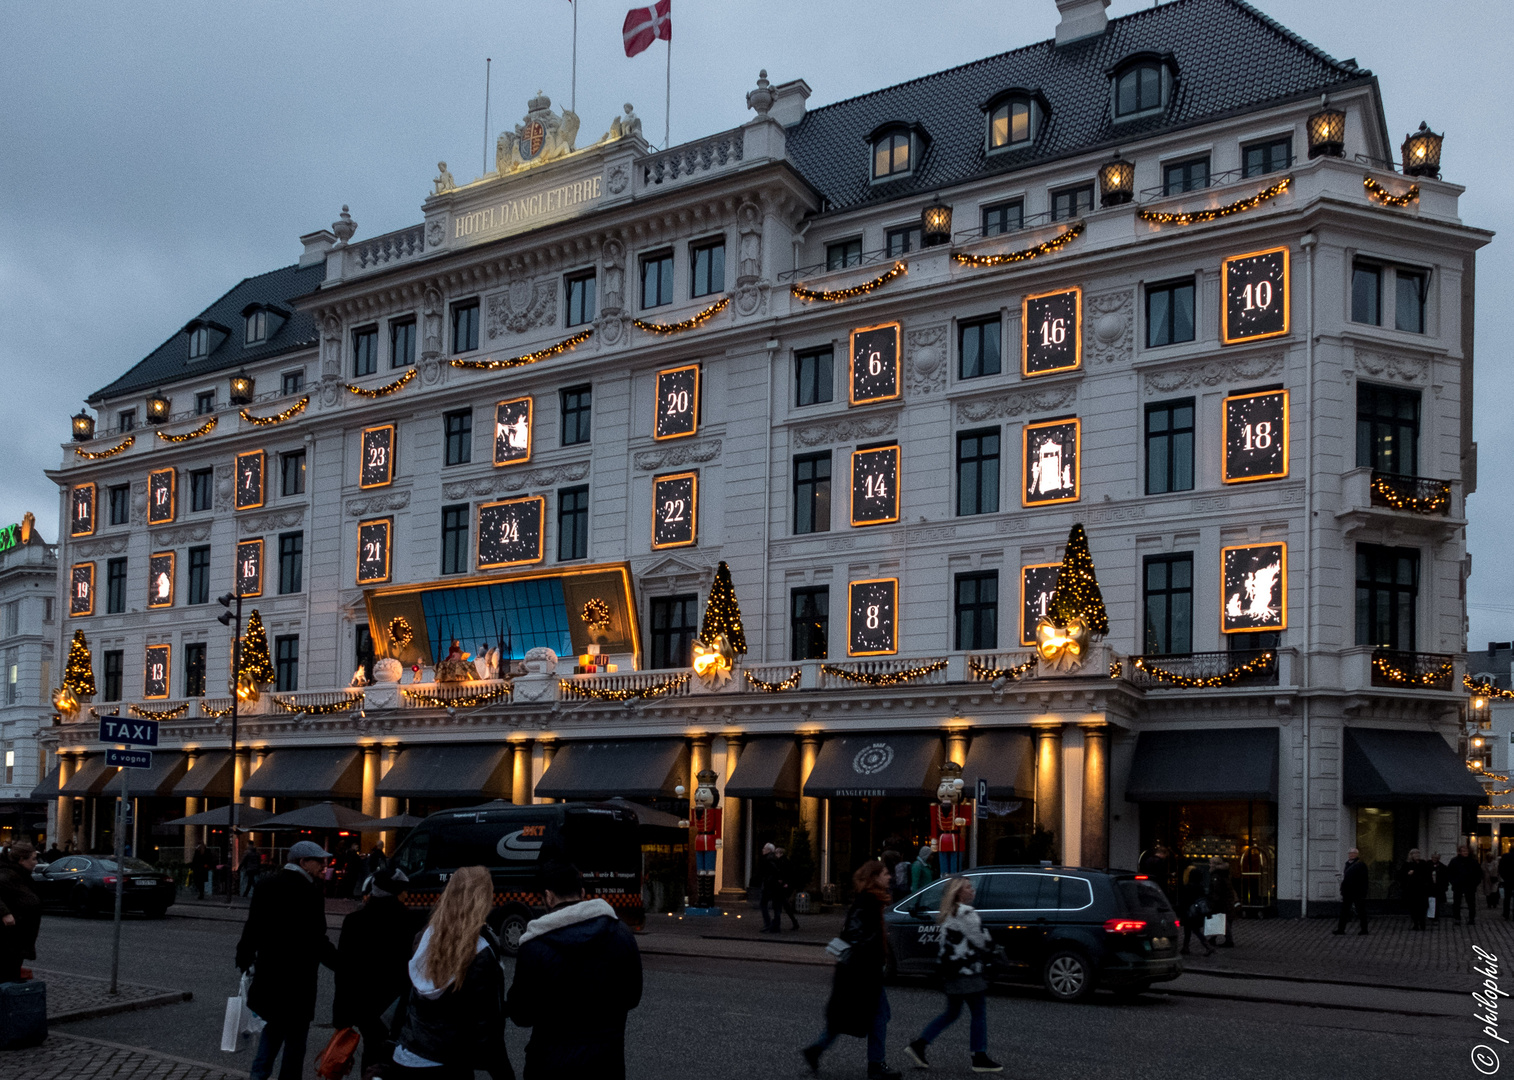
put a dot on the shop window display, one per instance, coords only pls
(1242, 833)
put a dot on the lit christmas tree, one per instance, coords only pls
(1077, 593)
(255, 661)
(79, 676)
(722, 614)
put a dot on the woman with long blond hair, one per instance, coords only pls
(963, 949)
(455, 1017)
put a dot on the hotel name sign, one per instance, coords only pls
(517, 213)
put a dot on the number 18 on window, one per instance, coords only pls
(1256, 436)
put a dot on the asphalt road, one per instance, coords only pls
(703, 1018)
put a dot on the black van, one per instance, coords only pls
(1068, 928)
(512, 841)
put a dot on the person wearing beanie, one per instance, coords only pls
(371, 958)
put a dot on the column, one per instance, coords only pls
(521, 784)
(548, 752)
(189, 809)
(956, 750)
(1095, 796)
(388, 805)
(810, 809)
(66, 765)
(732, 830)
(1049, 782)
(372, 769)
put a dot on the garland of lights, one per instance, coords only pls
(441, 700)
(838, 295)
(1188, 682)
(1116, 669)
(1386, 197)
(529, 358)
(158, 714)
(576, 689)
(1195, 217)
(1397, 676)
(688, 324)
(989, 674)
(386, 389)
(292, 706)
(400, 632)
(1056, 243)
(1485, 689)
(1429, 504)
(772, 687)
(883, 678)
(97, 455)
(204, 429)
(277, 418)
(206, 709)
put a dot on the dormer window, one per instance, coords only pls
(1142, 85)
(256, 327)
(199, 343)
(1014, 118)
(891, 155)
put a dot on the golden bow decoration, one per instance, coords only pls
(246, 689)
(66, 703)
(713, 662)
(1062, 647)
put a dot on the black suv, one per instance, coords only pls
(1066, 927)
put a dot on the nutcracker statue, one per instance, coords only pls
(945, 825)
(706, 821)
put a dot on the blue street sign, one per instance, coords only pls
(980, 807)
(128, 759)
(120, 729)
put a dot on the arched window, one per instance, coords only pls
(199, 343)
(1010, 124)
(256, 326)
(1138, 89)
(891, 154)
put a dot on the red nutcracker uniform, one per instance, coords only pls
(707, 832)
(947, 836)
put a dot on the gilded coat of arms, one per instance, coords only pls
(540, 137)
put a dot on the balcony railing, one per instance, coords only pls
(1414, 494)
(930, 671)
(1412, 670)
(1204, 670)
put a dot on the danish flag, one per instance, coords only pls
(645, 25)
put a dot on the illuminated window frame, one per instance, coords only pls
(173, 496)
(388, 526)
(898, 484)
(73, 579)
(657, 405)
(172, 579)
(1077, 362)
(1282, 623)
(1024, 584)
(94, 508)
(1077, 472)
(530, 430)
(363, 456)
(851, 608)
(236, 567)
(541, 532)
(851, 364)
(236, 479)
(1225, 476)
(1225, 338)
(167, 653)
(693, 539)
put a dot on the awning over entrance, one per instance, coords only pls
(1386, 766)
(632, 769)
(167, 770)
(89, 777)
(907, 765)
(208, 777)
(469, 771)
(1211, 765)
(765, 769)
(48, 789)
(1006, 759)
(328, 772)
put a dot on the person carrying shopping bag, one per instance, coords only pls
(963, 951)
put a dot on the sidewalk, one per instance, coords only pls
(73, 1057)
(83, 997)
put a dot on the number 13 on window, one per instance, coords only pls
(1256, 295)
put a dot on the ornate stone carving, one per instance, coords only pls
(1215, 372)
(1007, 525)
(625, 127)
(378, 504)
(1119, 513)
(225, 486)
(443, 182)
(677, 454)
(1017, 403)
(139, 502)
(840, 543)
(331, 346)
(431, 328)
(749, 249)
(612, 255)
(106, 545)
(521, 306)
(848, 429)
(1111, 318)
(925, 355)
(515, 480)
(939, 532)
(673, 570)
(329, 392)
(431, 370)
(184, 534)
(609, 329)
(1382, 366)
(436, 231)
(618, 180)
(275, 519)
(540, 137)
(752, 297)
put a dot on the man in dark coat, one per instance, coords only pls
(769, 889)
(1353, 892)
(284, 944)
(1415, 881)
(20, 910)
(577, 976)
(199, 870)
(1157, 866)
(371, 956)
(1506, 878)
(1465, 876)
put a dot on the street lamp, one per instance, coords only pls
(1116, 181)
(232, 617)
(84, 426)
(241, 388)
(158, 408)
(1327, 132)
(1421, 152)
(935, 224)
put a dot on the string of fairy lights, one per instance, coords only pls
(1056, 243)
(1415, 504)
(278, 417)
(990, 674)
(109, 452)
(1386, 197)
(385, 390)
(330, 708)
(1394, 675)
(565, 345)
(1485, 689)
(574, 689)
(836, 296)
(444, 700)
(1195, 217)
(1254, 666)
(884, 678)
(772, 687)
(215, 712)
(692, 322)
(204, 429)
(158, 714)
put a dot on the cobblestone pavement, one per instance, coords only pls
(74, 997)
(70, 1057)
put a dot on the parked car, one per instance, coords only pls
(85, 884)
(1068, 928)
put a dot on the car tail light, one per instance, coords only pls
(109, 879)
(1124, 926)
(1142, 877)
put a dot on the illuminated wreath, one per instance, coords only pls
(400, 632)
(596, 614)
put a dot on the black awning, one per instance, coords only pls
(208, 777)
(1387, 766)
(91, 775)
(468, 771)
(1208, 765)
(907, 765)
(1006, 759)
(765, 769)
(167, 770)
(631, 769)
(327, 772)
(48, 789)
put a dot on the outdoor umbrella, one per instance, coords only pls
(399, 821)
(646, 815)
(247, 817)
(326, 815)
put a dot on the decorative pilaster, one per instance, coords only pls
(521, 785)
(810, 808)
(1095, 834)
(1049, 781)
(733, 830)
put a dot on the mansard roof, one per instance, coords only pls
(1230, 58)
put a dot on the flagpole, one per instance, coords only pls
(573, 105)
(667, 108)
(487, 62)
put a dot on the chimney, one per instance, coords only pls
(1081, 19)
(316, 246)
(788, 102)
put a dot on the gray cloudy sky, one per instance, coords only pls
(156, 153)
